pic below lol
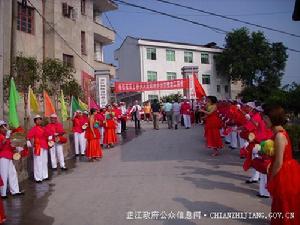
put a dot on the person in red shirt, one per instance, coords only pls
(118, 115)
(110, 137)
(38, 140)
(55, 132)
(2, 212)
(78, 125)
(99, 117)
(185, 110)
(7, 169)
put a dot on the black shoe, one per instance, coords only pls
(82, 154)
(262, 196)
(76, 155)
(19, 193)
(4, 197)
(54, 169)
(64, 168)
(251, 181)
(232, 147)
(38, 181)
(47, 178)
(227, 142)
(176, 127)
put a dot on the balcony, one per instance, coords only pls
(101, 66)
(104, 5)
(103, 34)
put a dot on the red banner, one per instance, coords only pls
(151, 85)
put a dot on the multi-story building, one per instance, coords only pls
(142, 59)
(72, 31)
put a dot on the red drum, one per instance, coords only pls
(62, 140)
(261, 164)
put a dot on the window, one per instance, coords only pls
(170, 55)
(188, 57)
(68, 60)
(67, 10)
(226, 88)
(171, 76)
(204, 58)
(82, 7)
(83, 44)
(151, 53)
(25, 19)
(152, 97)
(98, 51)
(218, 88)
(152, 75)
(205, 79)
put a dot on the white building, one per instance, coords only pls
(156, 60)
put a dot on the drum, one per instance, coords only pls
(16, 156)
(261, 164)
(62, 140)
(85, 126)
(251, 137)
(51, 143)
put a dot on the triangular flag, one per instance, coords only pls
(74, 106)
(93, 104)
(13, 101)
(48, 106)
(198, 88)
(63, 107)
(33, 102)
(82, 105)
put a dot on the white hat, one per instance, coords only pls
(85, 112)
(251, 104)
(184, 97)
(78, 111)
(53, 115)
(2, 122)
(259, 109)
(37, 117)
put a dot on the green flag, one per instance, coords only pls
(13, 101)
(74, 106)
(64, 112)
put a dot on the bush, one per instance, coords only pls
(294, 134)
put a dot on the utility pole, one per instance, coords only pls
(1, 57)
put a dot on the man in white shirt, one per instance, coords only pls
(136, 112)
(176, 113)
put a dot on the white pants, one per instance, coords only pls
(79, 141)
(243, 142)
(254, 172)
(9, 175)
(187, 120)
(83, 140)
(57, 153)
(101, 135)
(40, 165)
(228, 138)
(262, 185)
(119, 128)
(233, 138)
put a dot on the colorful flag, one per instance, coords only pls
(74, 106)
(33, 103)
(48, 106)
(198, 88)
(82, 105)
(14, 98)
(93, 104)
(63, 107)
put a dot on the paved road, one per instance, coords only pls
(168, 171)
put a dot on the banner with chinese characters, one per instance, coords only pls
(151, 85)
(88, 85)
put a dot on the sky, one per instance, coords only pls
(129, 21)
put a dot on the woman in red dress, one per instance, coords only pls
(93, 149)
(110, 137)
(284, 172)
(212, 126)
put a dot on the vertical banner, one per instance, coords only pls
(103, 95)
(88, 85)
(192, 93)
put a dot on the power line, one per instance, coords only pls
(215, 29)
(173, 16)
(229, 18)
(66, 42)
(117, 33)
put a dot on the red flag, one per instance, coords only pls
(198, 88)
(49, 108)
(93, 104)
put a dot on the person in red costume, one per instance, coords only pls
(118, 115)
(93, 150)
(37, 139)
(2, 212)
(99, 117)
(55, 132)
(212, 125)
(284, 172)
(185, 110)
(110, 137)
(7, 168)
(78, 124)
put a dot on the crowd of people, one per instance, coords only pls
(243, 126)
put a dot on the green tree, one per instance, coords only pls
(72, 88)
(55, 74)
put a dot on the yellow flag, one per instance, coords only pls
(33, 102)
(82, 105)
(63, 107)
